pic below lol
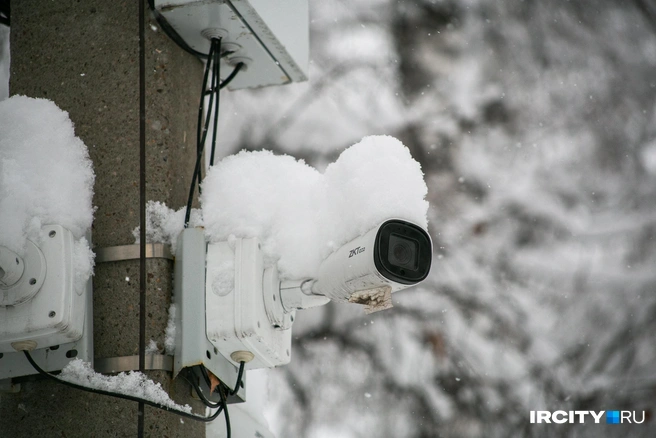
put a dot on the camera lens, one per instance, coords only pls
(402, 252)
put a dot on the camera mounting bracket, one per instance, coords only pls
(192, 346)
(237, 290)
(275, 310)
(297, 295)
(56, 315)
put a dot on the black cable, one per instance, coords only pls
(207, 402)
(216, 88)
(200, 136)
(5, 12)
(225, 413)
(240, 375)
(225, 82)
(118, 395)
(142, 206)
(222, 390)
(214, 65)
(232, 75)
(216, 79)
(190, 199)
(215, 48)
(206, 376)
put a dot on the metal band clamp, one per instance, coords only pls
(131, 363)
(131, 252)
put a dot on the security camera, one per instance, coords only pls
(249, 310)
(392, 256)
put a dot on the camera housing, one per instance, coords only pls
(390, 257)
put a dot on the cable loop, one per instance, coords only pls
(118, 395)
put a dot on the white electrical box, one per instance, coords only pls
(45, 309)
(270, 36)
(192, 347)
(54, 313)
(237, 318)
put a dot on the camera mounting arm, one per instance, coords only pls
(297, 295)
(283, 298)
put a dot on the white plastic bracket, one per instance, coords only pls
(237, 318)
(44, 305)
(192, 346)
(58, 318)
(297, 295)
(278, 317)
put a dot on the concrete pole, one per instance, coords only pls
(83, 55)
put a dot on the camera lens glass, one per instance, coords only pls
(402, 251)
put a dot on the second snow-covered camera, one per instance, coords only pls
(390, 257)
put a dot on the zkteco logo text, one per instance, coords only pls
(356, 251)
(612, 417)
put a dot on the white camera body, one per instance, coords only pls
(388, 258)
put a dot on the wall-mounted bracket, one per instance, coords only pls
(192, 346)
(62, 337)
(297, 295)
(238, 319)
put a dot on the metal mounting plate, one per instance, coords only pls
(131, 252)
(120, 364)
(274, 35)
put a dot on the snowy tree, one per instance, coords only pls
(534, 124)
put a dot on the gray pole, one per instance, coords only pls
(83, 55)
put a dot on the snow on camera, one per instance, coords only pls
(300, 214)
(46, 177)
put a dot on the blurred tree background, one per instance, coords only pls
(535, 125)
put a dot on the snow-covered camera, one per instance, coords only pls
(392, 256)
(249, 310)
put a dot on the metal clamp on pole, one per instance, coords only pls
(131, 363)
(131, 252)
